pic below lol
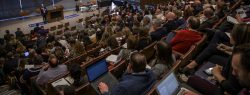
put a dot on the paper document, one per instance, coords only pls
(69, 79)
(228, 34)
(232, 20)
(28, 66)
(112, 58)
(125, 45)
(61, 81)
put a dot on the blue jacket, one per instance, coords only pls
(158, 34)
(134, 84)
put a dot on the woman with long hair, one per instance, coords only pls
(164, 59)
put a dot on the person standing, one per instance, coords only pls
(44, 13)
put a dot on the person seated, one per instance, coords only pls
(136, 81)
(164, 59)
(131, 47)
(158, 14)
(2, 75)
(180, 20)
(76, 74)
(19, 34)
(143, 39)
(79, 48)
(171, 23)
(237, 36)
(146, 23)
(209, 19)
(30, 72)
(112, 42)
(37, 28)
(85, 38)
(7, 36)
(66, 90)
(106, 37)
(157, 31)
(184, 39)
(43, 32)
(51, 71)
(226, 81)
(240, 65)
(11, 63)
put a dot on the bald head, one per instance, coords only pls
(170, 16)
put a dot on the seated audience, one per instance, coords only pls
(209, 19)
(136, 81)
(226, 81)
(131, 47)
(11, 63)
(146, 23)
(43, 32)
(2, 75)
(66, 90)
(237, 37)
(171, 23)
(19, 34)
(157, 31)
(164, 59)
(76, 73)
(184, 39)
(51, 71)
(37, 28)
(7, 36)
(143, 39)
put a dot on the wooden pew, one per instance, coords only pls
(85, 89)
(119, 69)
(52, 90)
(149, 51)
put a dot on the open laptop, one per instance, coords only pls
(170, 86)
(98, 72)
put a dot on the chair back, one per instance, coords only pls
(149, 51)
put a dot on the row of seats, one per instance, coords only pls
(193, 51)
(60, 28)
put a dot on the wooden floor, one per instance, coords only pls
(24, 24)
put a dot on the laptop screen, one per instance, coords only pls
(97, 69)
(168, 86)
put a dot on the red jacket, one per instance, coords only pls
(184, 39)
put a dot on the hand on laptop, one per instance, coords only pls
(217, 73)
(103, 87)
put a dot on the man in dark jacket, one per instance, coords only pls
(209, 20)
(136, 81)
(158, 32)
(19, 34)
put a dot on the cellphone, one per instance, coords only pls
(209, 71)
(26, 54)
